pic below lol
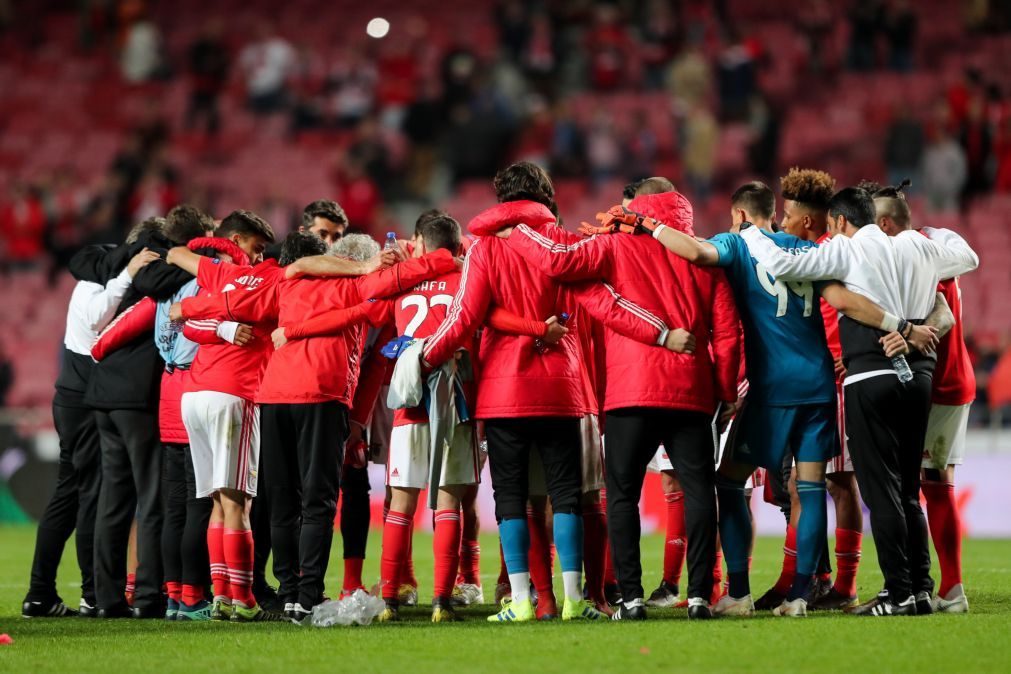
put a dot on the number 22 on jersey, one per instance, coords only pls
(780, 290)
(423, 305)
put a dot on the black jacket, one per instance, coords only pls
(129, 378)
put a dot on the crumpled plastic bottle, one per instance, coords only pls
(360, 608)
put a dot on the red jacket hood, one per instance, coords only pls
(671, 208)
(510, 213)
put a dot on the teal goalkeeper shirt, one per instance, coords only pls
(787, 357)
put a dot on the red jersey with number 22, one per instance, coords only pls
(418, 313)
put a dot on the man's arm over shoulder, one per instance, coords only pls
(468, 310)
(951, 255)
(583, 260)
(814, 263)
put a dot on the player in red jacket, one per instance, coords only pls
(654, 396)
(530, 399)
(954, 389)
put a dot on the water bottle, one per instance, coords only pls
(542, 346)
(391, 241)
(901, 368)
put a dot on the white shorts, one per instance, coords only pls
(591, 460)
(224, 435)
(945, 444)
(844, 462)
(410, 448)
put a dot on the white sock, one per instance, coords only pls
(572, 581)
(520, 584)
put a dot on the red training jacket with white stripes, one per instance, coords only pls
(516, 380)
(695, 298)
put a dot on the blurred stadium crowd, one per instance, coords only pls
(115, 110)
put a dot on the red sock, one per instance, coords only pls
(675, 542)
(216, 552)
(174, 589)
(238, 544)
(717, 578)
(789, 562)
(540, 555)
(470, 562)
(408, 576)
(446, 546)
(594, 550)
(353, 574)
(503, 572)
(192, 595)
(847, 561)
(396, 542)
(946, 532)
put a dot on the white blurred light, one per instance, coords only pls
(378, 28)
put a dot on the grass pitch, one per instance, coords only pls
(667, 642)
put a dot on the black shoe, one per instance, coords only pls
(770, 600)
(148, 613)
(296, 613)
(266, 597)
(833, 601)
(820, 587)
(698, 609)
(87, 610)
(633, 610)
(664, 596)
(612, 594)
(924, 606)
(883, 606)
(117, 611)
(46, 609)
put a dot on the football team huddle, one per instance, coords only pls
(216, 403)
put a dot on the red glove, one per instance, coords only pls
(619, 219)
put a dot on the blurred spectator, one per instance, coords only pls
(816, 21)
(478, 135)
(736, 78)
(568, 146)
(659, 39)
(904, 147)
(604, 154)
(701, 139)
(398, 72)
(63, 201)
(154, 197)
(763, 150)
(513, 25)
(535, 140)
(944, 170)
(309, 109)
(369, 150)
(538, 57)
(1002, 151)
(208, 63)
(899, 26)
(357, 193)
(865, 22)
(141, 57)
(642, 149)
(459, 76)
(609, 47)
(421, 125)
(689, 79)
(6, 375)
(22, 226)
(352, 83)
(977, 143)
(267, 62)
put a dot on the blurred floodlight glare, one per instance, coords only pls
(378, 27)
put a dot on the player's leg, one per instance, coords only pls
(139, 430)
(559, 446)
(781, 489)
(509, 445)
(446, 548)
(842, 487)
(87, 463)
(174, 504)
(675, 541)
(688, 437)
(58, 520)
(195, 559)
(912, 435)
(321, 428)
(631, 440)
(594, 521)
(540, 548)
(204, 527)
(355, 513)
(871, 406)
(115, 512)
(945, 449)
(468, 582)
(282, 482)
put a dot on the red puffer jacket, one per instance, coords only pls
(516, 380)
(683, 295)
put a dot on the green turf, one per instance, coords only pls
(978, 642)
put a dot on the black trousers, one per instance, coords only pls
(510, 442)
(633, 434)
(72, 506)
(886, 422)
(184, 532)
(302, 447)
(259, 520)
(355, 511)
(131, 487)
